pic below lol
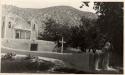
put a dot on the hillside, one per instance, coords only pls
(61, 14)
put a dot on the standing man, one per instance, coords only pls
(106, 56)
(107, 52)
(103, 57)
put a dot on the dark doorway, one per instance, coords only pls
(33, 47)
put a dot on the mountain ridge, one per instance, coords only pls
(41, 9)
(61, 14)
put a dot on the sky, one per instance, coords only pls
(48, 3)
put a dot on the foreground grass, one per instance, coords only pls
(26, 66)
(17, 66)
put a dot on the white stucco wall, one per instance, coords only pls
(23, 44)
(9, 32)
(34, 31)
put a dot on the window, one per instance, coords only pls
(22, 34)
(3, 30)
(34, 27)
(29, 22)
(9, 25)
(3, 23)
(28, 34)
(17, 34)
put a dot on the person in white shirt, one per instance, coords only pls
(106, 51)
(102, 61)
(104, 58)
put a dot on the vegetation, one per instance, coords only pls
(8, 56)
(111, 22)
(80, 36)
(54, 31)
(24, 64)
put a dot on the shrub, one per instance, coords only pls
(8, 56)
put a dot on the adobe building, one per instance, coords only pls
(17, 28)
(17, 33)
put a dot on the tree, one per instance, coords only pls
(73, 36)
(55, 31)
(50, 31)
(80, 35)
(111, 22)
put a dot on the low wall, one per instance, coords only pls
(25, 44)
(80, 61)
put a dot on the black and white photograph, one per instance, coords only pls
(62, 37)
